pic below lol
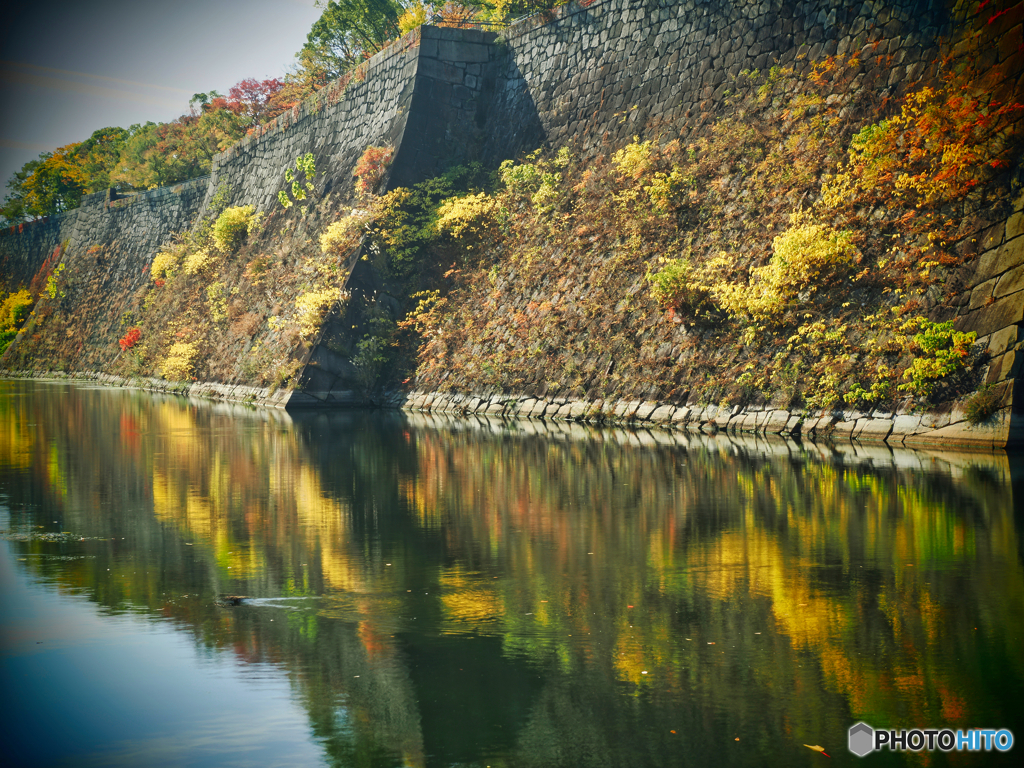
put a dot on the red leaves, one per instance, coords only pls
(130, 339)
(255, 99)
(371, 167)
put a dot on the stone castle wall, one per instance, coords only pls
(589, 76)
(595, 76)
(598, 75)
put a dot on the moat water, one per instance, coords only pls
(421, 591)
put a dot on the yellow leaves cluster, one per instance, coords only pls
(216, 294)
(804, 256)
(233, 225)
(472, 217)
(165, 263)
(312, 308)
(14, 309)
(197, 262)
(343, 235)
(179, 364)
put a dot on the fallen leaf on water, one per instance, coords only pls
(816, 748)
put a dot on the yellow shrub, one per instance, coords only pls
(343, 235)
(15, 309)
(472, 216)
(312, 308)
(218, 299)
(197, 262)
(165, 263)
(234, 225)
(179, 365)
(633, 160)
(664, 188)
(804, 256)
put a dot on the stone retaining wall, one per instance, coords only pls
(24, 247)
(910, 429)
(590, 77)
(598, 75)
(255, 396)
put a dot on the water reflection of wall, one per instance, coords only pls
(615, 586)
(178, 503)
(874, 565)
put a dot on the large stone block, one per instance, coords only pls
(440, 70)
(997, 431)
(1009, 282)
(776, 422)
(872, 429)
(995, 261)
(993, 317)
(455, 50)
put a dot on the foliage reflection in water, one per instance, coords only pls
(477, 592)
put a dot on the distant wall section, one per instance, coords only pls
(598, 75)
(24, 247)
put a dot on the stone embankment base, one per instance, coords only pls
(953, 462)
(204, 390)
(935, 429)
(948, 428)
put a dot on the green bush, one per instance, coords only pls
(674, 285)
(6, 337)
(943, 352)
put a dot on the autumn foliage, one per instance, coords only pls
(130, 339)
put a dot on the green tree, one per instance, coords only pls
(98, 156)
(15, 207)
(166, 153)
(346, 33)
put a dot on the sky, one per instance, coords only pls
(70, 68)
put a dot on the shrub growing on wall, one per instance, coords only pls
(233, 225)
(312, 308)
(14, 311)
(179, 363)
(371, 167)
(798, 270)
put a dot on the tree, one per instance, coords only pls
(57, 183)
(348, 32)
(15, 207)
(98, 156)
(258, 101)
(167, 153)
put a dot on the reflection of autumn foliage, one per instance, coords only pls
(236, 508)
(634, 550)
(646, 584)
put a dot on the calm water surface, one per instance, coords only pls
(429, 592)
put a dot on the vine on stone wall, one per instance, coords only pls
(796, 252)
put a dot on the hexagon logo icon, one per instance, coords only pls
(861, 739)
